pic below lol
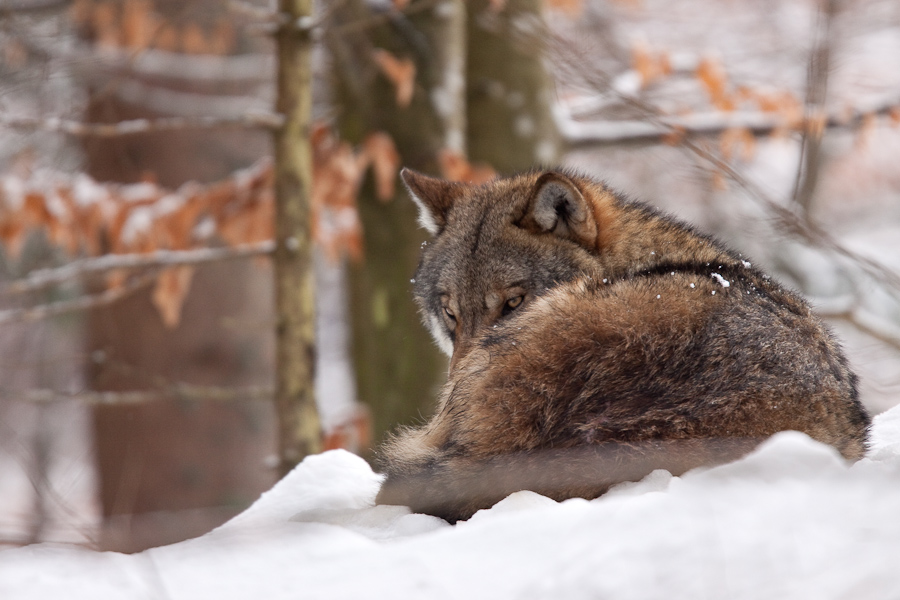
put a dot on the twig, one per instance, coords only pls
(181, 391)
(885, 332)
(252, 11)
(264, 120)
(45, 311)
(37, 280)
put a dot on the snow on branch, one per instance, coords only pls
(664, 129)
(55, 309)
(83, 216)
(78, 269)
(259, 119)
(182, 391)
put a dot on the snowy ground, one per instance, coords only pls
(791, 520)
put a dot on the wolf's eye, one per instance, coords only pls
(449, 314)
(512, 304)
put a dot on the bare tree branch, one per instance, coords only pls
(848, 309)
(31, 6)
(183, 391)
(263, 120)
(105, 298)
(37, 280)
(597, 134)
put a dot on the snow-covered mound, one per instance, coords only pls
(791, 520)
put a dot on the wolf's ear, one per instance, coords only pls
(433, 196)
(558, 207)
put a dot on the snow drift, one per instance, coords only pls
(791, 520)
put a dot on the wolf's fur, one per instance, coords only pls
(592, 340)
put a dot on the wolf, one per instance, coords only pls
(593, 339)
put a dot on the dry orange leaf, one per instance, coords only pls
(711, 73)
(105, 25)
(400, 71)
(814, 123)
(456, 167)
(115, 279)
(171, 290)
(894, 115)
(718, 181)
(864, 134)
(223, 38)
(80, 12)
(166, 38)
(571, 7)
(738, 139)
(193, 40)
(649, 65)
(379, 149)
(138, 24)
(354, 434)
(674, 137)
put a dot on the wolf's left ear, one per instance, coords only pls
(433, 196)
(558, 207)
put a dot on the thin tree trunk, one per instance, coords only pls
(811, 154)
(298, 420)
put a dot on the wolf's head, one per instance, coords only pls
(498, 246)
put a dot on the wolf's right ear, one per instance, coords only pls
(559, 208)
(433, 196)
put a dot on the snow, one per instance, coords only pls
(722, 281)
(790, 520)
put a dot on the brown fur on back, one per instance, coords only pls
(633, 343)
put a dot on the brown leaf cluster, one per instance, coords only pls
(353, 434)
(83, 216)
(136, 25)
(338, 173)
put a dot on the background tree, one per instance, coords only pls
(445, 80)
(404, 77)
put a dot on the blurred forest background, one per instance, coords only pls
(137, 209)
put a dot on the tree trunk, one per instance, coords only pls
(398, 366)
(298, 420)
(175, 468)
(509, 92)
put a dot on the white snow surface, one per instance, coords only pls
(790, 520)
